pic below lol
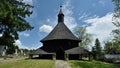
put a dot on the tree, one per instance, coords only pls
(116, 15)
(10, 49)
(94, 52)
(26, 51)
(111, 47)
(97, 49)
(116, 21)
(114, 45)
(82, 34)
(12, 20)
(98, 46)
(108, 47)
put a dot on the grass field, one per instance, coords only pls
(37, 63)
(92, 64)
(28, 64)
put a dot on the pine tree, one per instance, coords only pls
(98, 48)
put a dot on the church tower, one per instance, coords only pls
(60, 16)
(59, 39)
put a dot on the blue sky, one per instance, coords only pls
(96, 15)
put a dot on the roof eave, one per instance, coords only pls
(61, 39)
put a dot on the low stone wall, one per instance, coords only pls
(112, 56)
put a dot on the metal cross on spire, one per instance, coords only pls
(60, 12)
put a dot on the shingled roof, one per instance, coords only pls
(60, 31)
(39, 51)
(77, 50)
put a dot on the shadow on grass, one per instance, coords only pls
(92, 64)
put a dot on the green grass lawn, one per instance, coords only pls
(92, 64)
(37, 63)
(28, 64)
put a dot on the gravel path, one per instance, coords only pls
(61, 64)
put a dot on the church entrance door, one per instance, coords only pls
(60, 54)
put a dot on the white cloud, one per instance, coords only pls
(35, 46)
(69, 19)
(48, 20)
(102, 2)
(28, 1)
(20, 45)
(101, 27)
(25, 34)
(84, 16)
(45, 28)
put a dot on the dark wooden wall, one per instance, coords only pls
(55, 45)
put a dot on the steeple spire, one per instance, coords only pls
(60, 12)
(60, 16)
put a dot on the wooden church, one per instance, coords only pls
(59, 42)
